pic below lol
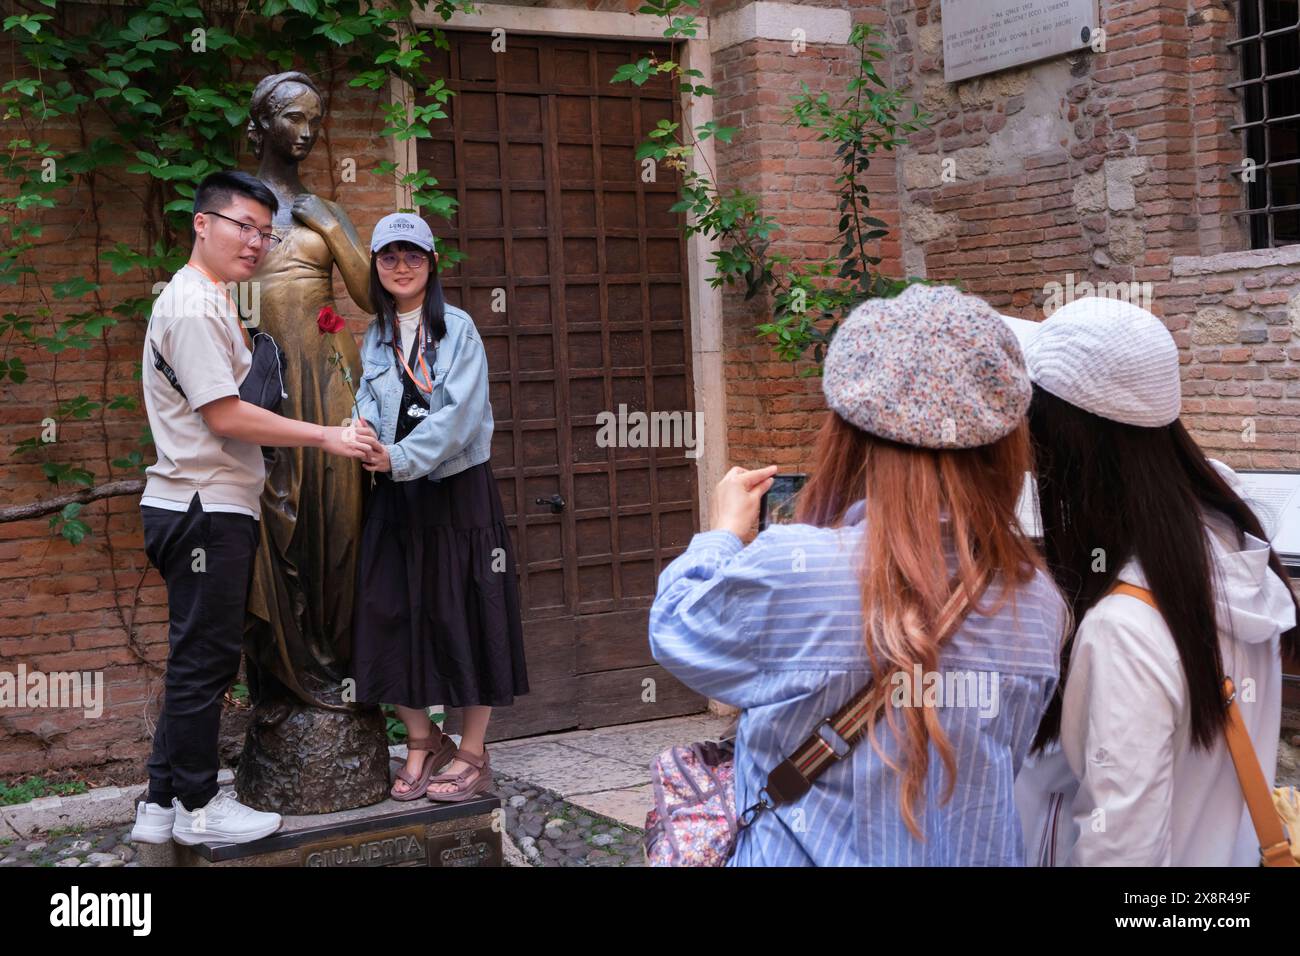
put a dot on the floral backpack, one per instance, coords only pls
(693, 822)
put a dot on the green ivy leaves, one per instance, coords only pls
(171, 79)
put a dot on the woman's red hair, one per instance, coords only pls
(912, 557)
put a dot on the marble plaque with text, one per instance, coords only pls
(983, 36)
(1274, 496)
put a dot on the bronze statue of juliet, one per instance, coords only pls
(298, 636)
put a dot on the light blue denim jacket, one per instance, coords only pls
(458, 431)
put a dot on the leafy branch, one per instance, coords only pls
(809, 299)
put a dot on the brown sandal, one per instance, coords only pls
(438, 758)
(476, 779)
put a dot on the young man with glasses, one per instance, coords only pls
(201, 504)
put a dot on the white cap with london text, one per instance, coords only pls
(401, 227)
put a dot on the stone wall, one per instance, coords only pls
(1112, 168)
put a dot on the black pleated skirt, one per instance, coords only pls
(437, 610)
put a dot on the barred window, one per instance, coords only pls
(1269, 45)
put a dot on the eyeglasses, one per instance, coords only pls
(413, 260)
(248, 235)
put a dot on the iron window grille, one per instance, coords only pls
(1269, 47)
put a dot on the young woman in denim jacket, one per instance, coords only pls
(437, 610)
(916, 474)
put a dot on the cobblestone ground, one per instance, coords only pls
(104, 847)
(551, 832)
(547, 830)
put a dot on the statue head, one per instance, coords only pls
(286, 112)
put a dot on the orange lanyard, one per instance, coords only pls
(229, 301)
(419, 352)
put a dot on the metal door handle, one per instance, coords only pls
(555, 501)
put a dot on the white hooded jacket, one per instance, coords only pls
(1125, 786)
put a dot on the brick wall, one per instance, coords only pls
(772, 414)
(1241, 394)
(1112, 167)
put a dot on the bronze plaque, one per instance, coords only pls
(477, 847)
(404, 846)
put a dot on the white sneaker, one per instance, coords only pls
(153, 823)
(222, 820)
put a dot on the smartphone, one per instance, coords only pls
(777, 506)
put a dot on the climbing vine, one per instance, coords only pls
(808, 298)
(156, 97)
(146, 100)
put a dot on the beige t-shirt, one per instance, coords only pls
(196, 329)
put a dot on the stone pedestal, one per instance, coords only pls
(307, 760)
(391, 833)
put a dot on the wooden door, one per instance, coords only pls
(576, 280)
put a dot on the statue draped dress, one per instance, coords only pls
(300, 604)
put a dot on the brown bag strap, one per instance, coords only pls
(834, 738)
(1274, 848)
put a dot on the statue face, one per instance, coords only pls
(294, 123)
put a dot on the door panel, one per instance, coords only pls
(576, 280)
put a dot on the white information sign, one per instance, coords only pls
(1275, 499)
(983, 36)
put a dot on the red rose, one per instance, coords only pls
(327, 320)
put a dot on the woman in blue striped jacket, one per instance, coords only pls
(916, 476)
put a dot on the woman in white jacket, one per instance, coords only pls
(1130, 765)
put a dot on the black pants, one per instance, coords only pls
(206, 558)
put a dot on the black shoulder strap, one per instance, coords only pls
(161, 365)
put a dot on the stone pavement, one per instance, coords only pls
(580, 798)
(571, 799)
(606, 770)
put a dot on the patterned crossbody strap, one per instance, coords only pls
(835, 737)
(1274, 848)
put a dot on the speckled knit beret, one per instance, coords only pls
(933, 367)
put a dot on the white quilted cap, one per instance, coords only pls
(1110, 358)
(1025, 330)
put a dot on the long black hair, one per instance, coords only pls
(434, 315)
(1139, 493)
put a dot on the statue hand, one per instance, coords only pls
(311, 211)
